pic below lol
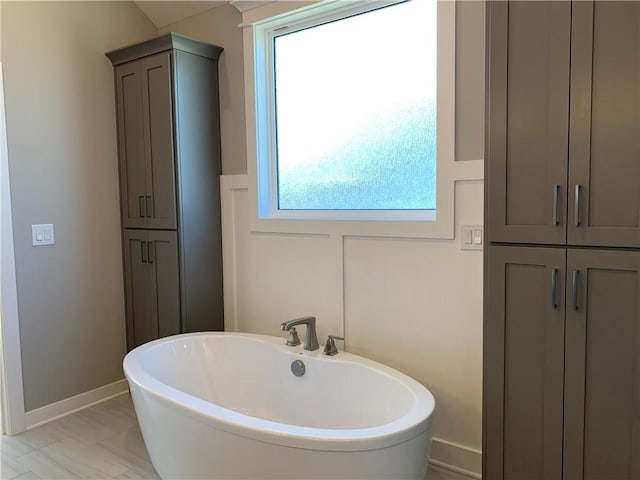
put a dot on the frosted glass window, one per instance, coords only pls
(356, 112)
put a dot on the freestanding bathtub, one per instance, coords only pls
(226, 405)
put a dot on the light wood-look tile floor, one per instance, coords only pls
(103, 441)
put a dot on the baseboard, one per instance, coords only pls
(53, 411)
(457, 458)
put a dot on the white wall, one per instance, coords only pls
(61, 129)
(415, 305)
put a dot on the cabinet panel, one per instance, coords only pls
(524, 343)
(528, 105)
(158, 124)
(196, 101)
(602, 429)
(131, 144)
(141, 327)
(163, 259)
(605, 125)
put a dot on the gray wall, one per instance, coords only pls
(470, 80)
(60, 111)
(220, 27)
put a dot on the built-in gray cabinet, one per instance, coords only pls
(528, 46)
(563, 122)
(152, 284)
(524, 361)
(169, 158)
(562, 359)
(145, 132)
(602, 365)
(561, 395)
(604, 142)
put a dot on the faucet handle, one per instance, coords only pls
(330, 347)
(293, 338)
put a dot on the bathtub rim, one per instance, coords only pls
(416, 421)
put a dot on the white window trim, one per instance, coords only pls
(260, 129)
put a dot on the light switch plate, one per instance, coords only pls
(42, 234)
(471, 237)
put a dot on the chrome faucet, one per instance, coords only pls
(310, 339)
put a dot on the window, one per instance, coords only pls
(354, 117)
(355, 114)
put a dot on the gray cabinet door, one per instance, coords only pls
(527, 120)
(602, 392)
(152, 285)
(145, 139)
(141, 326)
(604, 156)
(131, 145)
(165, 288)
(524, 362)
(158, 132)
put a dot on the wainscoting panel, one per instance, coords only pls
(413, 304)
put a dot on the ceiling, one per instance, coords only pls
(163, 13)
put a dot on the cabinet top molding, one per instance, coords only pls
(162, 43)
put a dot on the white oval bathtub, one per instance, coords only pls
(226, 405)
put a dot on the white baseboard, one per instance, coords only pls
(53, 411)
(457, 458)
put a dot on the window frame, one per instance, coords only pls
(262, 26)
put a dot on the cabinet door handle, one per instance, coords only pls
(576, 207)
(141, 206)
(148, 205)
(554, 288)
(143, 253)
(151, 252)
(576, 276)
(556, 194)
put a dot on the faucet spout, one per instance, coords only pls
(286, 326)
(311, 338)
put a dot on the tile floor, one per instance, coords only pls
(102, 441)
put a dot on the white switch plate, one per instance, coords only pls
(471, 237)
(42, 234)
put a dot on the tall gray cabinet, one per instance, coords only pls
(562, 267)
(169, 163)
